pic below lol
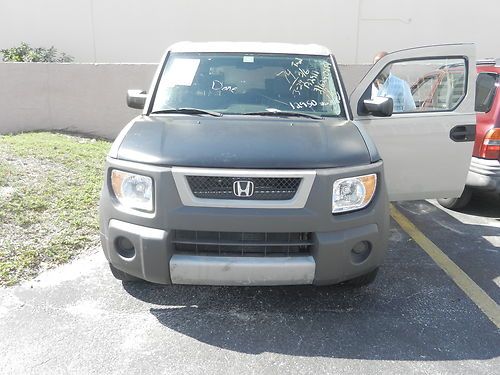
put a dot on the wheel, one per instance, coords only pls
(120, 275)
(457, 203)
(363, 280)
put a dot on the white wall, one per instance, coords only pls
(83, 98)
(139, 31)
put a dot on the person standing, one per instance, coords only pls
(389, 85)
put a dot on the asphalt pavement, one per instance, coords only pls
(413, 319)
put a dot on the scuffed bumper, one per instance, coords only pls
(484, 174)
(223, 270)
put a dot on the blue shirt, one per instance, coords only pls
(400, 92)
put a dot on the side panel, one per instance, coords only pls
(421, 159)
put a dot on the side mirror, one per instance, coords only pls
(379, 106)
(136, 98)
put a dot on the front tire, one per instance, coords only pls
(457, 203)
(120, 275)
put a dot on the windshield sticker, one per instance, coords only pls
(248, 59)
(219, 86)
(182, 72)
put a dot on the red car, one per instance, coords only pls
(434, 88)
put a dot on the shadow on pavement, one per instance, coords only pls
(413, 311)
(484, 204)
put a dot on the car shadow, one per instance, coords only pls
(413, 311)
(483, 204)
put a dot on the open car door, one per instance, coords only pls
(426, 144)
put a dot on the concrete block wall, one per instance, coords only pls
(83, 98)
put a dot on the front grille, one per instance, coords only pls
(242, 243)
(265, 188)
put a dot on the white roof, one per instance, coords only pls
(250, 47)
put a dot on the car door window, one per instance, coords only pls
(422, 91)
(486, 87)
(423, 85)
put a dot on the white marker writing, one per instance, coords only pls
(219, 86)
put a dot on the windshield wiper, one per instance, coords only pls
(188, 111)
(284, 114)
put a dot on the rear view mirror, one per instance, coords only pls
(379, 106)
(136, 98)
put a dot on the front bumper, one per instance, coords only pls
(330, 261)
(484, 174)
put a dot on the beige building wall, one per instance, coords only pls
(83, 98)
(139, 31)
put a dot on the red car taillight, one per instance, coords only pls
(490, 149)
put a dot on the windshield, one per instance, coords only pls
(238, 83)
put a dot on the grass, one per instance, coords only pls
(49, 191)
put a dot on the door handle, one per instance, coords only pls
(463, 133)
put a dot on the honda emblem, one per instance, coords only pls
(243, 188)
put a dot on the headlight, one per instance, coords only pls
(133, 190)
(353, 193)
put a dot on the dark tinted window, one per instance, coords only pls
(485, 91)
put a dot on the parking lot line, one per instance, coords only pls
(487, 305)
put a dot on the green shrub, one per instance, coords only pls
(25, 53)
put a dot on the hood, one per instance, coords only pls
(242, 142)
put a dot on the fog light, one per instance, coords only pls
(124, 247)
(361, 251)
